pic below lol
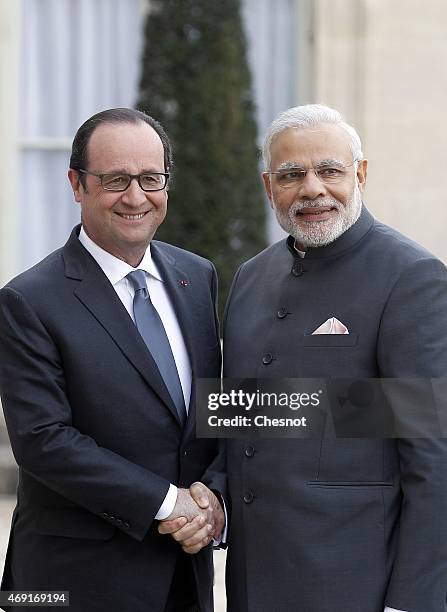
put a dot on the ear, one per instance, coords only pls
(268, 186)
(362, 172)
(73, 177)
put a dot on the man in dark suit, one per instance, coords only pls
(100, 344)
(335, 525)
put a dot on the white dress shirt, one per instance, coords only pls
(116, 271)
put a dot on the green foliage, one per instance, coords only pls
(195, 81)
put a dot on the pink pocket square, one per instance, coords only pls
(331, 326)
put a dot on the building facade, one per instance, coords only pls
(382, 64)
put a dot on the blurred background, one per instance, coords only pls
(216, 72)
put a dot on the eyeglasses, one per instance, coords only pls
(117, 181)
(326, 173)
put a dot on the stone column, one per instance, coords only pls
(9, 120)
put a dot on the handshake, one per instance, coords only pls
(197, 518)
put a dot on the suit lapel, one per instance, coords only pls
(100, 298)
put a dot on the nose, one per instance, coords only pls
(134, 195)
(312, 187)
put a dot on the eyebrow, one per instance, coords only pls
(290, 166)
(330, 161)
(121, 171)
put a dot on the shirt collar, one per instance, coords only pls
(116, 269)
(298, 251)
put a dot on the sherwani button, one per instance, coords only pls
(250, 451)
(248, 497)
(297, 269)
(282, 312)
(268, 358)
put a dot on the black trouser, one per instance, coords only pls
(183, 594)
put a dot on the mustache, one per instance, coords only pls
(319, 203)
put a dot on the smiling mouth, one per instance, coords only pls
(131, 217)
(314, 211)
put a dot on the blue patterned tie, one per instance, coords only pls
(151, 328)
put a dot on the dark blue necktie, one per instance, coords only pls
(151, 328)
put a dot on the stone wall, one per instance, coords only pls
(384, 65)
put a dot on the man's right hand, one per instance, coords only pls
(207, 524)
(187, 507)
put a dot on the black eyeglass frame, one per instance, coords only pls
(129, 176)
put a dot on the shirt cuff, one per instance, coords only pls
(168, 504)
(223, 536)
(387, 609)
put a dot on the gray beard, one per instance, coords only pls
(321, 233)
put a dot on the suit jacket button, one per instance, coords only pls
(126, 525)
(248, 497)
(282, 312)
(297, 269)
(250, 451)
(268, 358)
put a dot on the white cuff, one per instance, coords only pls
(168, 504)
(223, 536)
(387, 609)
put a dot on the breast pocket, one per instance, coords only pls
(351, 462)
(330, 340)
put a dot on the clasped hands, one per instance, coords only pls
(197, 518)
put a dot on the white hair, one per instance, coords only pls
(307, 116)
